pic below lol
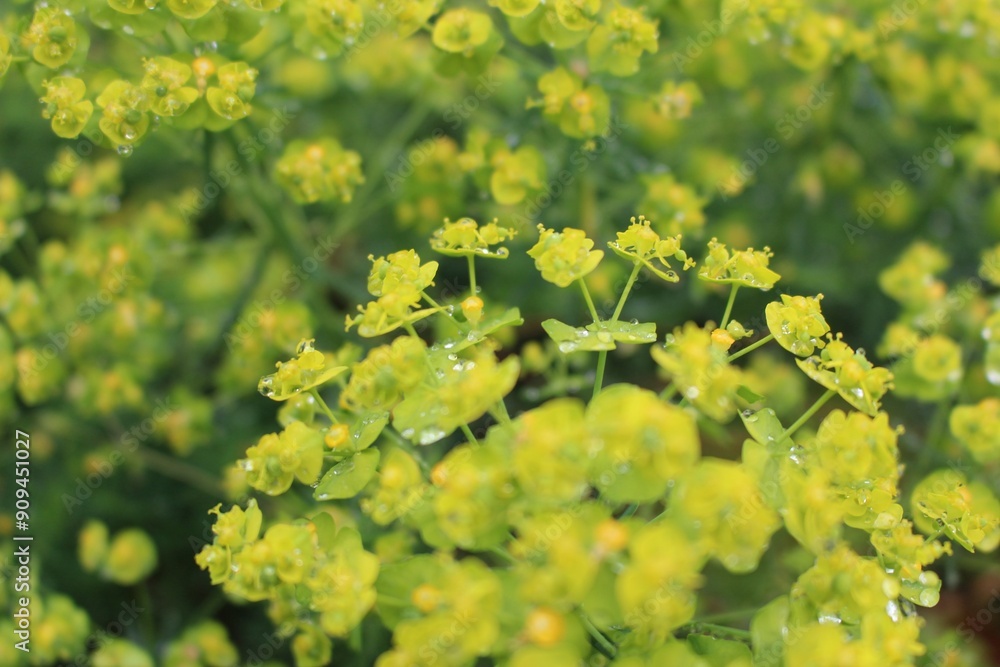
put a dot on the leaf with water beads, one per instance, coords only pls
(366, 429)
(479, 333)
(461, 391)
(571, 339)
(769, 631)
(347, 478)
(635, 333)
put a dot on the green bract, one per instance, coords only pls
(53, 34)
(66, 107)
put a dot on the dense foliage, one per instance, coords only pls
(580, 435)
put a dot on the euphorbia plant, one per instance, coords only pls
(583, 528)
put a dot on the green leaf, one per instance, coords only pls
(396, 582)
(367, 428)
(767, 630)
(748, 394)
(571, 340)
(721, 652)
(490, 325)
(635, 333)
(326, 530)
(764, 427)
(347, 478)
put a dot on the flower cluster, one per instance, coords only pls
(566, 256)
(398, 282)
(639, 243)
(319, 171)
(520, 490)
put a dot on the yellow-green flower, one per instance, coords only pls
(850, 374)
(319, 170)
(740, 267)
(466, 237)
(563, 257)
(797, 323)
(641, 244)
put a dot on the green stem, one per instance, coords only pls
(669, 391)
(405, 444)
(181, 471)
(472, 275)
(830, 393)
(146, 600)
(402, 130)
(939, 422)
(719, 631)
(604, 645)
(501, 410)
(590, 302)
(750, 348)
(322, 404)
(725, 616)
(470, 436)
(502, 553)
(451, 318)
(629, 511)
(410, 330)
(729, 305)
(628, 288)
(602, 359)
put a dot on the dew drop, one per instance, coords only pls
(125, 150)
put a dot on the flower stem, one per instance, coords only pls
(604, 645)
(669, 391)
(180, 470)
(602, 359)
(725, 616)
(503, 555)
(629, 511)
(625, 292)
(472, 275)
(444, 311)
(750, 348)
(719, 631)
(807, 414)
(322, 404)
(469, 434)
(729, 305)
(590, 302)
(501, 410)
